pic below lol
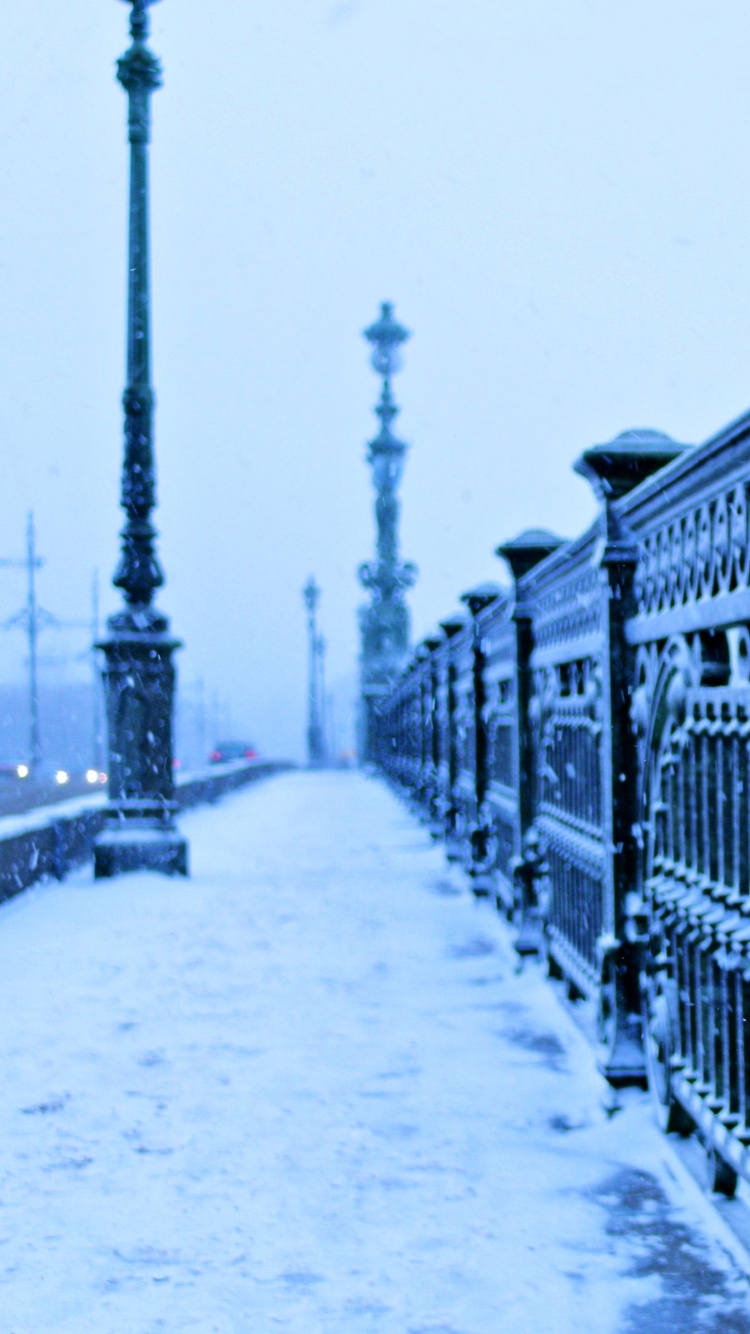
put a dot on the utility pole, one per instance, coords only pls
(33, 631)
(92, 625)
(96, 682)
(332, 746)
(32, 619)
(215, 717)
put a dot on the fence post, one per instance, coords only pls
(447, 705)
(521, 554)
(477, 599)
(613, 470)
(432, 644)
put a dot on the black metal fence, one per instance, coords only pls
(51, 841)
(581, 741)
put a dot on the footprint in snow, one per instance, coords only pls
(43, 1108)
(152, 1058)
(475, 948)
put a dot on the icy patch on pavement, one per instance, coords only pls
(693, 1295)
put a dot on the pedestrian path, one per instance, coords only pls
(306, 1091)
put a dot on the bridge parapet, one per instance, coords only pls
(593, 753)
(52, 841)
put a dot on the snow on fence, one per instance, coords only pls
(581, 742)
(52, 840)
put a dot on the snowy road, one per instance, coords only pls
(305, 1091)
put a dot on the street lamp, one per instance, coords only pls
(139, 675)
(315, 741)
(384, 623)
(320, 650)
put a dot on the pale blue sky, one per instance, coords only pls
(556, 197)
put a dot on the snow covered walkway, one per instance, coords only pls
(306, 1091)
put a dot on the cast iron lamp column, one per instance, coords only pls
(384, 624)
(315, 742)
(139, 675)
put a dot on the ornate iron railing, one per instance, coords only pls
(589, 762)
(691, 714)
(499, 812)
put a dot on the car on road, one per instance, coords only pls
(232, 750)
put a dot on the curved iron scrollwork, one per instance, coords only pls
(700, 554)
(531, 881)
(695, 780)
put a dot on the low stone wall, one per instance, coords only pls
(49, 842)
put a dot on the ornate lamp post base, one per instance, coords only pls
(139, 676)
(138, 846)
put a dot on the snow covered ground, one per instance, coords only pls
(307, 1091)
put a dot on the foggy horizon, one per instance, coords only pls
(556, 203)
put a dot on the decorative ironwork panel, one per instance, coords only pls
(566, 721)
(701, 552)
(447, 756)
(691, 711)
(502, 760)
(575, 910)
(465, 725)
(697, 843)
(499, 815)
(570, 759)
(567, 612)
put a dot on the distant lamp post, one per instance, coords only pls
(139, 675)
(320, 648)
(384, 623)
(316, 750)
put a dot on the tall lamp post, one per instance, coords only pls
(384, 622)
(139, 675)
(320, 648)
(315, 739)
